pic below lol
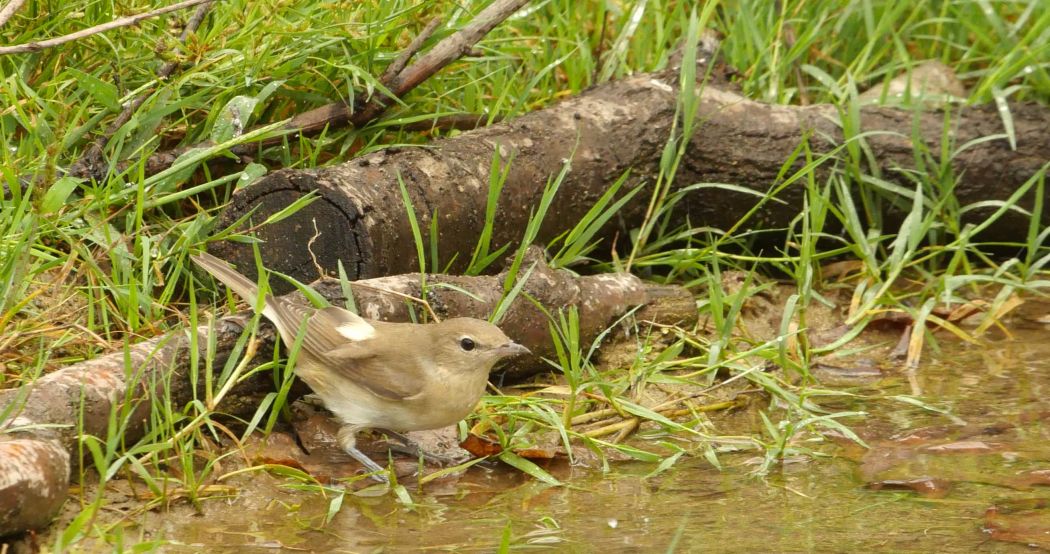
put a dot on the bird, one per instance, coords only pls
(380, 375)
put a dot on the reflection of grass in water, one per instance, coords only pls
(86, 267)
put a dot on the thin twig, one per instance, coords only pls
(442, 54)
(9, 10)
(626, 431)
(340, 114)
(458, 122)
(310, 250)
(610, 429)
(108, 26)
(90, 163)
(626, 426)
(398, 65)
(599, 50)
(425, 304)
(591, 416)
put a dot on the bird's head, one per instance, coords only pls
(472, 344)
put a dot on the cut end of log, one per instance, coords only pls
(33, 483)
(325, 230)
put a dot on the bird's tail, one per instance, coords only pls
(222, 271)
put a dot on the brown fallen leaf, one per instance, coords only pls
(965, 447)
(1027, 479)
(928, 487)
(480, 446)
(1025, 522)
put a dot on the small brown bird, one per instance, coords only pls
(374, 374)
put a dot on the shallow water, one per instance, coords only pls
(990, 448)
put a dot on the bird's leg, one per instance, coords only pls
(347, 437)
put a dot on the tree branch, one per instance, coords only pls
(444, 53)
(9, 10)
(399, 63)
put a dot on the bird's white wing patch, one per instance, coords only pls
(356, 331)
(349, 325)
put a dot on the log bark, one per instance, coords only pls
(605, 131)
(40, 438)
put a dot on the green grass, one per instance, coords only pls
(87, 267)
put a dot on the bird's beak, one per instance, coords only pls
(512, 349)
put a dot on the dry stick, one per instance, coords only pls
(399, 63)
(626, 431)
(338, 114)
(465, 121)
(629, 424)
(108, 26)
(310, 123)
(444, 53)
(591, 416)
(89, 164)
(609, 429)
(424, 303)
(9, 10)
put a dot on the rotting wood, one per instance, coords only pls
(42, 431)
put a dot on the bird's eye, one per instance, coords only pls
(466, 343)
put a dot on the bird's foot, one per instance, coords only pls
(405, 445)
(376, 471)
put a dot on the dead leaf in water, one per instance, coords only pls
(480, 446)
(965, 447)
(1026, 522)
(1027, 479)
(928, 487)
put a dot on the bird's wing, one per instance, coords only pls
(390, 373)
(351, 326)
(326, 328)
(381, 378)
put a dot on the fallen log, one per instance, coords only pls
(38, 441)
(605, 131)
